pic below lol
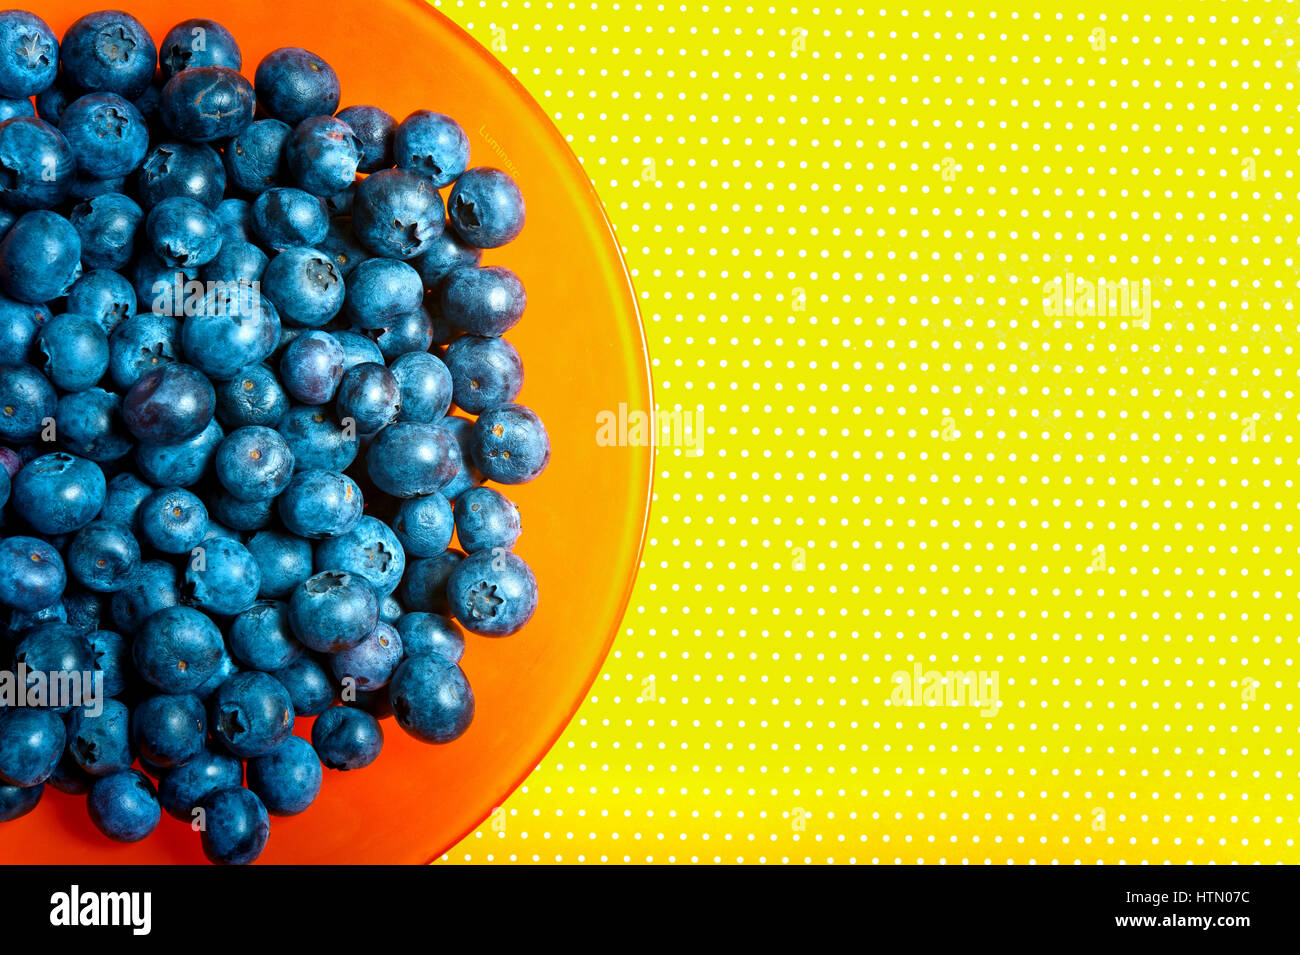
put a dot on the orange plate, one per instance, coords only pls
(584, 519)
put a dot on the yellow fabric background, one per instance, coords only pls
(842, 223)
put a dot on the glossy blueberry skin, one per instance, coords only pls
(31, 742)
(374, 130)
(59, 493)
(492, 593)
(431, 698)
(284, 217)
(346, 738)
(10, 108)
(19, 323)
(510, 444)
(181, 464)
(235, 217)
(370, 550)
(309, 685)
(370, 396)
(236, 827)
(204, 104)
(99, 740)
(485, 520)
(424, 525)
(31, 54)
(124, 806)
(322, 155)
(109, 50)
(32, 575)
(485, 372)
(173, 520)
(381, 290)
(411, 459)
(184, 787)
(126, 493)
(397, 214)
(252, 713)
(305, 285)
(112, 658)
(390, 609)
(254, 463)
(107, 225)
(74, 351)
(408, 333)
(103, 556)
(183, 232)
(141, 344)
(317, 440)
(445, 255)
(427, 386)
(357, 349)
(38, 161)
(487, 301)
(333, 611)
(255, 159)
(370, 664)
(197, 42)
(287, 779)
(320, 504)
(106, 133)
(229, 582)
(26, 400)
(171, 404)
(253, 397)
(192, 170)
(293, 84)
(342, 246)
(236, 261)
(312, 367)
(486, 208)
(40, 257)
(432, 145)
(226, 668)
(151, 588)
(426, 634)
(18, 801)
(424, 586)
(237, 515)
(260, 638)
(236, 326)
(285, 561)
(467, 475)
(177, 649)
(170, 730)
(103, 295)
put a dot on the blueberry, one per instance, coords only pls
(226, 668)
(170, 404)
(285, 561)
(293, 84)
(234, 327)
(431, 145)
(27, 400)
(181, 464)
(342, 246)
(305, 285)
(485, 372)
(19, 323)
(100, 739)
(285, 217)
(446, 254)
(59, 493)
(235, 826)
(235, 219)
(374, 130)
(229, 511)
(252, 714)
(67, 777)
(429, 633)
(397, 214)
(31, 742)
(370, 550)
(347, 738)
(370, 664)
(170, 730)
(486, 520)
(333, 611)
(486, 301)
(224, 577)
(140, 345)
(40, 257)
(357, 349)
(312, 367)
(510, 444)
(369, 395)
(252, 397)
(288, 778)
(308, 684)
(107, 134)
(191, 170)
(52, 648)
(260, 638)
(204, 104)
(317, 440)
(31, 57)
(197, 42)
(103, 556)
(185, 786)
(103, 295)
(161, 284)
(412, 332)
(173, 520)
(177, 649)
(74, 350)
(32, 574)
(53, 100)
(18, 801)
(424, 586)
(109, 50)
(320, 504)
(431, 698)
(424, 525)
(323, 154)
(390, 609)
(411, 459)
(236, 261)
(255, 158)
(151, 588)
(492, 593)
(381, 290)
(111, 657)
(183, 232)
(124, 806)
(37, 163)
(486, 208)
(254, 463)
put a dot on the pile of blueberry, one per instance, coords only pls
(234, 320)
